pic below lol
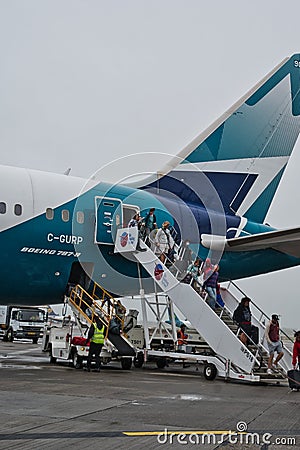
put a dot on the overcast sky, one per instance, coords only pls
(84, 82)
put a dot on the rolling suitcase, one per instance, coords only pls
(294, 379)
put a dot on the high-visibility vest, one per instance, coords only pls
(182, 337)
(98, 336)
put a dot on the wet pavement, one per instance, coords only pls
(46, 406)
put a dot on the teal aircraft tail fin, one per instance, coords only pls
(245, 152)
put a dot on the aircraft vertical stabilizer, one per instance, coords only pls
(245, 152)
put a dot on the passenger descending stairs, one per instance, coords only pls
(99, 303)
(230, 296)
(208, 324)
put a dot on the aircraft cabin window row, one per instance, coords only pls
(17, 208)
(65, 215)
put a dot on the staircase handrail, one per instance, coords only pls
(77, 293)
(260, 310)
(110, 301)
(203, 294)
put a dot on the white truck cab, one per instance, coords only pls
(21, 322)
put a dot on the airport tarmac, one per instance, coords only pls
(45, 406)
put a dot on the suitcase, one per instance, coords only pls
(78, 340)
(294, 379)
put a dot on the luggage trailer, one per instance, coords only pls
(212, 365)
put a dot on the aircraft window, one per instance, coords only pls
(80, 217)
(2, 208)
(49, 213)
(18, 210)
(65, 215)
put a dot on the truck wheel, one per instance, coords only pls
(161, 363)
(126, 363)
(77, 360)
(10, 335)
(35, 340)
(52, 358)
(210, 372)
(138, 361)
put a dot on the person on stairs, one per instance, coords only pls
(182, 338)
(242, 316)
(274, 343)
(136, 221)
(150, 225)
(210, 286)
(163, 241)
(194, 271)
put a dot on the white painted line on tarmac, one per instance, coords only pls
(11, 353)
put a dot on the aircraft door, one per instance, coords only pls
(108, 219)
(128, 212)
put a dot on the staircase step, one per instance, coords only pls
(274, 376)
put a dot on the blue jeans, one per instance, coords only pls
(212, 296)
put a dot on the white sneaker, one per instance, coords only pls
(269, 372)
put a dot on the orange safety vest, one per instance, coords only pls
(182, 337)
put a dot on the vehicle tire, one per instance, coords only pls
(161, 363)
(210, 372)
(126, 363)
(35, 340)
(10, 335)
(138, 361)
(52, 359)
(77, 360)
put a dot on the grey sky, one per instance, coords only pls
(86, 82)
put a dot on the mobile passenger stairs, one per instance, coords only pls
(68, 341)
(221, 351)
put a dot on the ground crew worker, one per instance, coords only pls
(96, 339)
(182, 338)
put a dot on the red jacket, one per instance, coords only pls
(296, 353)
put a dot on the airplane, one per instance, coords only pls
(58, 230)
